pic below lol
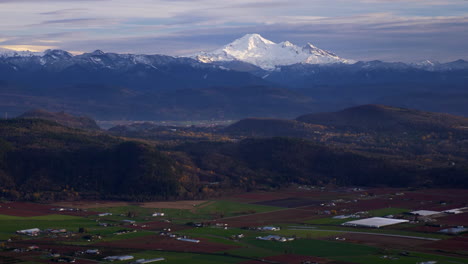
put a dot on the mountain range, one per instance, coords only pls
(250, 49)
(250, 77)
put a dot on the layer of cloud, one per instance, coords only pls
(357, 29)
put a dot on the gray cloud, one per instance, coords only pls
(262, 5)
(64, 11)
(356, 29)
(43, 1)
(75, 21)
(435, 41)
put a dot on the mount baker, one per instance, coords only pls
(266, 54)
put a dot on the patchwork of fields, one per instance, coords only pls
(227, 230)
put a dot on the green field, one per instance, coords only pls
(396, 258)
(387, 211)
(10, 224)
(319, 248)
(184, 258)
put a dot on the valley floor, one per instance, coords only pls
(301, 224)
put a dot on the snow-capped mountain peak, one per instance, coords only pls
(13, 53)
(57, 54)
(266, 54)
(97, 53)
(250, 41)
(286, 44)
(311, 49)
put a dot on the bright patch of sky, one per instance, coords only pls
(404, 30)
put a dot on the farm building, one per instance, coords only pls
(93, 251)
(158, 214)
(29, 232)
(188, 240)
(269, 228)
(239, 236)
(56, 231)
(33, 247)
(120, 258)
(105, 214)
(456, 211)
(345, 216)
(454, 230)
(375, 222)
(425, 213)
(275, 238)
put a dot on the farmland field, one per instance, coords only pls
(226, 230)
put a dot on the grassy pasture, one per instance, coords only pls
(10, 224)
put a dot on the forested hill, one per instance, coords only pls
(63, 118)
(269, 127)
(377, 119)
(386, 118)
(41, 159)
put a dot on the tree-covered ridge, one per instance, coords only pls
(80, 122)
(382, 118)
(40, 133)
(44, 159)
(269, 127)
(277, 162)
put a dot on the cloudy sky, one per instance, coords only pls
(392, 30)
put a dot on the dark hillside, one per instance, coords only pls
(386, 118)
(281, 161)
(265, 127)
(63, 118)
(43, 160)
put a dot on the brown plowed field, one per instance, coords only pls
(93, 204)
(31, 209)
(455, 219)
(25, 209)
(366, 205)
(291, 202)
(385, 241)
(425, 229)
(283, 216)
(260, 196)
(444, 194)
(452, 244)
(313, 194)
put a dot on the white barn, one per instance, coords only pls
(375, 222)
(29, 232)
(270, 228)
(120, 258)
(425, 213)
